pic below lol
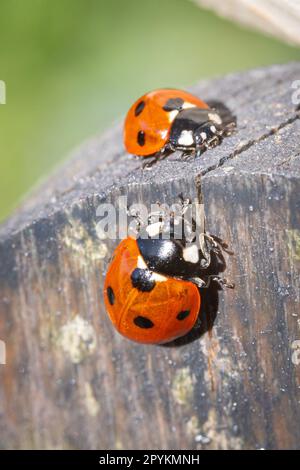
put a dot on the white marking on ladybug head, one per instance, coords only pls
(213, 129)
(187, 105)
(141, 263)
(158, 277)
(203, 135)
(186, 138)
(191, 254)
(215, 118)
(154, 229)
(172, 114)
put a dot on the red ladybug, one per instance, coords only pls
(149, 293)
(166, 120)
(151, 289)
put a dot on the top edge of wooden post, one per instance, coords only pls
(263, 102)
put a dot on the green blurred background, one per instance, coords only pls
(72, 67)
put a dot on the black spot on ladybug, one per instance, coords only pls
(110, 295)
(139, 108)
(183, 315)
(142, 279)
(173, 104)
(141, 138)
(143, 322)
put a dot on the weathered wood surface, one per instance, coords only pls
(276, 17)
(71, 381)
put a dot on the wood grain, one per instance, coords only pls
(71, 381)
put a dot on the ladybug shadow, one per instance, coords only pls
(209, 305)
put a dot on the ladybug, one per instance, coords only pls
(166, 120)
(151, 289)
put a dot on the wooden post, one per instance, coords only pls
(71, 381)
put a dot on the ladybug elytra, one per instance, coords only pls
(144, 301)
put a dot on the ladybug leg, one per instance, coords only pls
(161, 155)
(185, 202)
(137, 217)
(206, 136)
(222, 282)
(209, 243)
(167, 218)
(189, 223)
(158, 221)
(149, 164)
(198, 281)
(205, 250)
(160, 214)
(204, 241)
(218, 244)
(198, 151)
(186, 155)
(229, 129)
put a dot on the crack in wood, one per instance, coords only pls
(250, 144)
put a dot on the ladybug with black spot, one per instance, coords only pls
(166, 120)
(151, 288)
